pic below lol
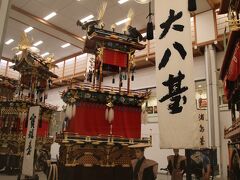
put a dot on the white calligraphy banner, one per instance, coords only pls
(178, 120)
(28, 159)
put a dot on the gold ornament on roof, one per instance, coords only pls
(101, 12)
(49, 61)
(24, 42)
(233, 21)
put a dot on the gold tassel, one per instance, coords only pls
(148, 50)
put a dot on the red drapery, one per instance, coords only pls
(234, 68)
(90, 121)
(115, 58)
(41, 131)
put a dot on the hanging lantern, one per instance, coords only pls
(132, 78)
(192, 5)
(73, 110)
(109, 112)
(144, 117)
(113, 80)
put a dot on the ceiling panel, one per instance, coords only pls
(55, 5)
(50, 44)
(20, 3)
(36, 8)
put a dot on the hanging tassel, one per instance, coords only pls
(110, 115)
(150, 31)
(73, 110)
(106, 114)
(132, 78)
(150, 27)
(148, 50)
(113, 80)
(192, 5)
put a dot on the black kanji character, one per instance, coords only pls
(168, 23)
(167, 54)
(202, 129)
(175, 89)
(30, 134)
(201, 117)
(165, 59)
(179, 47)
(29, 148)
(32, 119)
(202, 141)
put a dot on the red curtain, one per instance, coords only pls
(234, 68)
(90, 121)
(115, 58)
(41, 131)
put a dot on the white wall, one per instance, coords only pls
(54, 97)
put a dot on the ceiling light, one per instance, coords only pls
(51, 15)
(86, 18)
(38, 43)
(122, 21)
(84, 37)
(28, 29)
(65, 45)
(199, 86)
(142, 1)
(9, 41)
(122, 1)
(45, 54)
(18, 53)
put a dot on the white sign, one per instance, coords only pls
(174, 70)
(28, 159)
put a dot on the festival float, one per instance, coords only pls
(17, 96)
(230, 72)
(102, 123)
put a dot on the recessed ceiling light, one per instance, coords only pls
(51, 15)
(142, 1)
(9, 41)
(122, 1)
(45, 54)
(65, 45)
(86, 18)
(38, 43)
(28, 29)
(84, 37)
(122, 21)
(18, 53)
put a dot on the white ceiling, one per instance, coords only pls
(68, 12)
